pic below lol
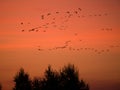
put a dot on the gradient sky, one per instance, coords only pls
(92, 36)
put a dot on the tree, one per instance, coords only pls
(51, 79)
(65, 79)
(22, 81)
(0, 86)
(70, 79)
(36, 84)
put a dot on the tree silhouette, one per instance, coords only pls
(51, 79)
(65, 79)
(0, 86)
(36, 84)
(69, 78)
(22, 81)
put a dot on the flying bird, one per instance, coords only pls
(48, 14)
(21, 23)
(22, 30)
(57, 12)
(80, 9)
(68, 12)
(76, 12)
(42, 16)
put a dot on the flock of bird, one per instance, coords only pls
(67, 46)
(106, 29)
(59, 21)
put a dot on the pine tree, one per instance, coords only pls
(22, 81)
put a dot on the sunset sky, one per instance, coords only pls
(36, 33)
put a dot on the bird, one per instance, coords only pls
(117, 46)
(53, 18)
(42, 16)
(99, 52)
(44, 30)
(47, 23)
(102, 29)
(70, 48)
(107, 50)
(102, 50)
(76, 34)
(86, 48)
(107, 29)
(111, 46)
(37, 30)
(80, 40)
(81, 48)
(95, 15)
(57, 12)
(80, 9)
(54, 25)
(76, 12)
(96, 50)
(67, 42)
(68, 12)
(22, 30)
(52, 22)
(28, 22)
(92, 48)
(40, 49)
(105, 14)
(110, 29)
(48, 14)
(62, 47)
(21, 23)
(99, 15)
(73, 49)
(33, 29)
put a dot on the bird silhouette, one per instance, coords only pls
(76, 12)
(48, 14)
(42, 16)
(57, 12)
(21, 23)
(79, 9)
(40, 49)
(22, 30)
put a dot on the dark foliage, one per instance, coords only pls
(0, 86)
(37, 84)
(69, 78)
(22, 81)
(66, 79)
(51, 79)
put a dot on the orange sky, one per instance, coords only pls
(92, 36)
